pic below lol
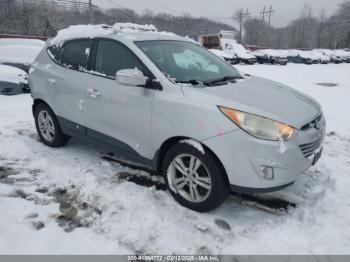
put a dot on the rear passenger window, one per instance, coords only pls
(112, 57)
(75, 54)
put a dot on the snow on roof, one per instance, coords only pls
(134, 27)
(22, 41)
(127, 30)
(269, 52)
(80, 31)
(24, 54)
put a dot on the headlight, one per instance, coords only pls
(257, 126)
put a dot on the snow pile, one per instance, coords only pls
(13, 75)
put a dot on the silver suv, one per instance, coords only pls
(165, 102)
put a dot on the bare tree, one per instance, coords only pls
(238, 18)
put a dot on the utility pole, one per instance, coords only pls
(261, 30)
(270, 12)
(91, 19)
(246, 14)
(263, 15)
(238, 17)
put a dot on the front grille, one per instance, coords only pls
(309, 148)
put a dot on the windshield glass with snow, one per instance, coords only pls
(187, 62)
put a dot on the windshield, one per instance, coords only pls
(187, 62)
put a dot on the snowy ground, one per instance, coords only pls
(71, 201)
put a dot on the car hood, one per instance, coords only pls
(261, 97)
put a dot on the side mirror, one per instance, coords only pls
(131, 77)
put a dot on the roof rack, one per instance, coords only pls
(131, 27)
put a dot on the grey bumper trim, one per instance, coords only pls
(249, 190)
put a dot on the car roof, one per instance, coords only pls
(120, 31)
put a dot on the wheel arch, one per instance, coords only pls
(37, 102)
(160, 154)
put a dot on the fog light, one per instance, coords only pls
(267, 172)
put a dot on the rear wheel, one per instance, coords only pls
(48, 128)
(195, 180)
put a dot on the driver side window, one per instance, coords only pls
(112, 56)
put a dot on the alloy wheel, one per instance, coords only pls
(189, 177)
(46, 126)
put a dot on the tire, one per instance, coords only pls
(208, 173)
(48, 128)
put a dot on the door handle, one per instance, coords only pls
(93, 92)
(51, 81)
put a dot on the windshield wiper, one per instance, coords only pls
(193, 82)
(224, 79)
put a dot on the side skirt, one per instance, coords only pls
(112, 145)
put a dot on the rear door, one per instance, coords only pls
(113, 110)
(68, 83)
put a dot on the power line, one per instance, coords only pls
(115, 4)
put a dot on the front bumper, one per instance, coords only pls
(243, 157)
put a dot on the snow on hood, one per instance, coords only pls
(261, 97)
(12, 74)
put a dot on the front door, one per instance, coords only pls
(114, 110)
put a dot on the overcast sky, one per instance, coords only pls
(286, 10)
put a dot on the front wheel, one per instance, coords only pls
(195, 180)
(48, 128)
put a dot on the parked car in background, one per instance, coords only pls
(320, 56)
(19, 52)
(332, 55)
(230, 58)
(226, 42)
(13, 80)
(165, 102)
(314, 57)
(343, 55)
(270, 56)
(243, 55)
(300, 57)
